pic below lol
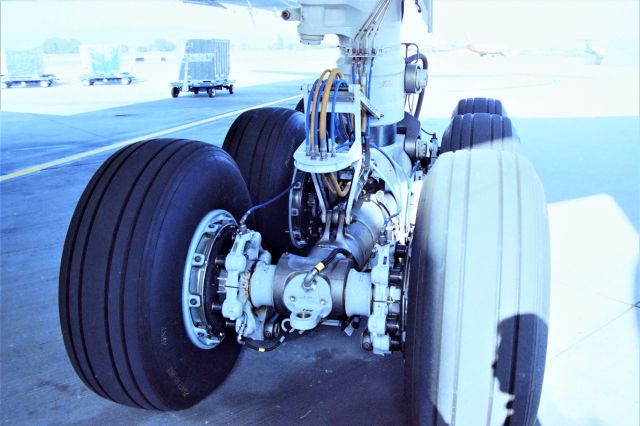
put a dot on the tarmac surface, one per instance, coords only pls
(588, 161)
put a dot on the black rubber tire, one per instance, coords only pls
(262, 141)
(480, 131)
(478, 297)
(175, 92)
(196, 91)
(211, 92)
(300, 106)
(474, 105)
(231, 89)
(122, 268)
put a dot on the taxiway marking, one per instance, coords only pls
(96, 151)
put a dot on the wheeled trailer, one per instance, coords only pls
(196, 87)
(102, 65)
(107, 78)
(45, 80)
(23, 68)
(204, 68)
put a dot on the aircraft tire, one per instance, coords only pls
(478, 292)
(120, 293)
(480, 131)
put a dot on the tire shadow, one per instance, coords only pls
(519, 366)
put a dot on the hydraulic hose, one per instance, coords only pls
(326, 184)
(333, 111)
(336, 185)
(244, 218)
(312, 109)
(393, 191)
(311, 275)
(325, 100)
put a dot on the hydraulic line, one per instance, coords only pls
(244, 218)
(327, 184)
(336, 186)
(317, 135)
(312, 109)
(333, 109)
(393, 191)
(307, 117)
(396, 167)
(311, 275)
(323, 110)
(363, 87)
(368, 93)
(249, 343)
(256, 344)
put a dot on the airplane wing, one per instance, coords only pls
(424, 6)
(205, 3)
(258, 4)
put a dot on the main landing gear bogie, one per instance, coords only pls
(168, 270)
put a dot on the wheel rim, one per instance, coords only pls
(201, 293)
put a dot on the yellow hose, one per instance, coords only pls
(327, 185)
(336, 185)
(325, 100)
(312, 110)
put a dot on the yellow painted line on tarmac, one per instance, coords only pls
(96, 151)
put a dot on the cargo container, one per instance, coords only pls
(102, 64)
(204, 68)
(21, 68)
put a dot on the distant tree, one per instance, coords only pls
(142, 49)
(124, 48)
(74, 46)
(163, 46)
(58, 45)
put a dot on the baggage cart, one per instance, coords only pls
(22, 68)
(204, 68)
(102, 65)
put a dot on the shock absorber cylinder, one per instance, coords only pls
(374, 44)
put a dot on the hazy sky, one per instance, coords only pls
(133, 22)
(549, 23)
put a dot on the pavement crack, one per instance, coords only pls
(588, 335)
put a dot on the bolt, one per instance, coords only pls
(323, 302)
(198, 258)
(201, 334)
(367, 344)
(212, 225)
(292, 298)
(193, 302)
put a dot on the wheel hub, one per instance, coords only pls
(305, 224)
(202, 294)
